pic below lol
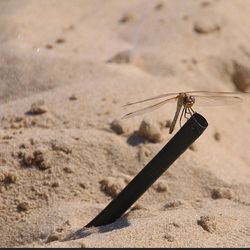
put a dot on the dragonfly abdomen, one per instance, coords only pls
(177, 112)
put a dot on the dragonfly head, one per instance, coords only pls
(190, 100)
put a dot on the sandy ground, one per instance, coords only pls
(66, 69)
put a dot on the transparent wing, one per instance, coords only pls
(194, 93)
(202, 98)
(149, 108)
(216, 93)
(152, 98)
(218, 100)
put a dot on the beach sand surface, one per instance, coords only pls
(66, 70)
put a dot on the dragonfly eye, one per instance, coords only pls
(191, 100)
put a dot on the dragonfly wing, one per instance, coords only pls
(217, 93)
(219, 100)
(149, 108)
(153, 98)
(195, 93)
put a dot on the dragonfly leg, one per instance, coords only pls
(186, 112)
(192, 111)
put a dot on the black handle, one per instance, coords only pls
(191, 130)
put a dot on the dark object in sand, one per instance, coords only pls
(182, 140)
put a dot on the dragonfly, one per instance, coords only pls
(185, 102)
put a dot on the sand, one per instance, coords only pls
(66, 70)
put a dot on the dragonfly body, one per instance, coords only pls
(185, 101)
(177, 112)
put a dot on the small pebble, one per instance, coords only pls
(83, 245)
(160, 187)
(137, 206)
(7, 137)
(38, 108)
(18, 119)
(73, 97)
(119, 127)
(192, 148)
(82, 185)
(112, 186)
(126, 18)
(9, 178)
(49, 46)
(176, 225)
(205, 4)
(23, 206)
(68, 170)
(55, 184)
(52, 237)
(58, 145)
(37, 158)
(150, 131)
(241, 77)
(206, 26)
(217, 136)
(208, 223)
(169, 237)
(173, 204)
(159, 6)
(60, 40)
(222, 193)
(123, 57)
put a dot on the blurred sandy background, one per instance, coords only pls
(66, 69)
